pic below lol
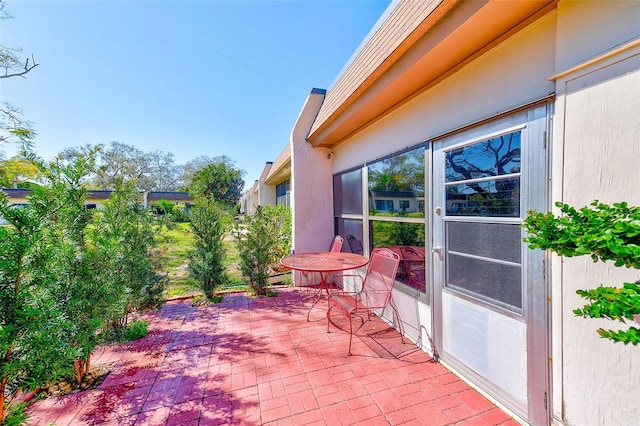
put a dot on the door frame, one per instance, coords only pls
(535, 120)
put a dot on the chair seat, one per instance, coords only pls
(345, 302)
(375, 294)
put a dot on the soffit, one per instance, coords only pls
(452, 34)
(281, 168)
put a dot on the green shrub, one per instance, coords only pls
(137, 329)
(209, 221)
(264, 239)
(606, 233)
(31, 350)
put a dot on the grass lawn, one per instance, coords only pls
(178, 243)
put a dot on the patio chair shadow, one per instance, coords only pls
(379, 337)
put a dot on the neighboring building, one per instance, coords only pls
(273, 188)
(177, 198)
(18, 196)
(492, 108)
(96, 198)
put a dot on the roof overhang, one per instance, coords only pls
(281, 168)
(451, 34)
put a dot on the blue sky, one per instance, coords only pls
(188, 77)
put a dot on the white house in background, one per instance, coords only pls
(273, 187)
(487, 109)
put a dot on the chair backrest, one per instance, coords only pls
(355, 244)
(336, 244)
(380, 278)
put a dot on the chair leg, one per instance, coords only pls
(350, 331)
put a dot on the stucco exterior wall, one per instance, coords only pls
(311, 181)
(596, 156)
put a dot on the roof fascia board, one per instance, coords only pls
(360, 111)
(434, 12)
(281, 168)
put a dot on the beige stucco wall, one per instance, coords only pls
(511, 75)
(311, 182)
(596, 156)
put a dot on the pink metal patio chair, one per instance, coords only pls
(336, 246)
(355, 245)
(375, 294)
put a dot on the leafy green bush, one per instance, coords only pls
(73, 262)
(137, 329)
(262, 242)
(606, 233)
(209, 221)
(134, 330)
(162, 207)
(31, 350)
(124, 234)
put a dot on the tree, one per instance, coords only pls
(18, 170)
(13, 65)
(190, 168)
(14, 128)
(48, 290)
(164, 174)
(122, 161)
(124, 234)
(220, 182)
(73, 263)
(261, 244)
(151, 171)
(31, 351)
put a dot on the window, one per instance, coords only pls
(283, 191)
(395, 202)
(399, 178)
(482, 233)
(385, 206)
(396, 191)
(347, 193)
(483, 179)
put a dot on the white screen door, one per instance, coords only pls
(490, 296)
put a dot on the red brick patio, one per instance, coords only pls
(260, 362)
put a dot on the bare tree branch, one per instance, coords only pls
(21, 73)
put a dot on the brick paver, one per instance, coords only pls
(260, 362)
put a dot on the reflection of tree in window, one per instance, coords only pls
(397, 234)
(488, 173)
(403, 172)
(395, 180)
